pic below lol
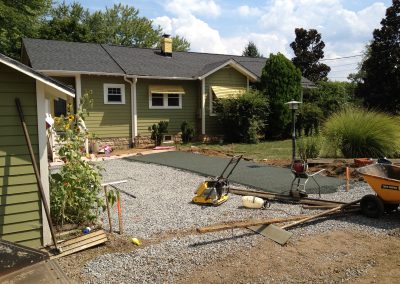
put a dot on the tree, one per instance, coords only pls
(120, 25)
(381, 86)
(308, 50)
(19, 19)
(67, 22)
(251, 50)
(280, 83)
(180, 44)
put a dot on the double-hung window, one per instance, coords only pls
(165, 97)
(114, 93)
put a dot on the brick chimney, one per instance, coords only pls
(166, 45)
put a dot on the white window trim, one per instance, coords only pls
(165, 98)
(210, 92)
(121, 86)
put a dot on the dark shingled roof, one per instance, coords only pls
(33, 73)
(104, 58)
(69, 56)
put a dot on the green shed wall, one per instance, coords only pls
(175, 117)
(225, 77)
(107, 120)
(20, 210)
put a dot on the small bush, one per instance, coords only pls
(158, 130)
(356, 132)
(187, 132)
(309, 147)
(243, 118)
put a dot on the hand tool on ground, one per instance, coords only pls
(215, 191)
(281, 236)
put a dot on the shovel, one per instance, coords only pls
(281, 236)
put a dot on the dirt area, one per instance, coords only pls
(327, 258)
(338, 256)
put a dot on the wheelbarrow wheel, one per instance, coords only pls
(372, 206)
(390, 207)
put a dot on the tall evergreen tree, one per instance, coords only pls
(251, 50)
(308, 50)
(381, 84)
(280, 83)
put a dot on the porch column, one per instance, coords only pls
(42, 155)
(134, 109)
(78, 89)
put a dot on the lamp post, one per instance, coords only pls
(293, 105)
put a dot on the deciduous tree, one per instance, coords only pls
(381, 82)
(308, 50)
(120, 25)
(19, 19)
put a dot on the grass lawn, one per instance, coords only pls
(263, 150)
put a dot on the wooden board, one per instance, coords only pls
(81, 243)
(285, 198)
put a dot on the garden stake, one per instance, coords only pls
(36, 170)
(119, 213)
(108, 208)
(347, 178)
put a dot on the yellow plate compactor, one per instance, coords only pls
(215, 191)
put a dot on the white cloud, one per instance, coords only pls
(344, 32)
(165, 23)
(246, 11)
(201, 36)
(188, 7)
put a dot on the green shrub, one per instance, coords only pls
(356, 132)
(187, 132)
(309, 147)
(243, 118)
(158, 130)
(310, 118)
(74, 190)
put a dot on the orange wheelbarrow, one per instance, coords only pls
(385, 181)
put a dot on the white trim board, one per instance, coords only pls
(36, 77)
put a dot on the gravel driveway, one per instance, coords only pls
(163, 204)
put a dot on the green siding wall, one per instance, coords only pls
(226, 77)
(107, 120)
(175, 117)
(20, 211)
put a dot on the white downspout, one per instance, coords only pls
(133, 106)
(203, 106)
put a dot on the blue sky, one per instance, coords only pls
(226, 26)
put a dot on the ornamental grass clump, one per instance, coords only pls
(74, 190)
(355, 132)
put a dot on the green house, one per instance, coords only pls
(134, 88)
(21, 216)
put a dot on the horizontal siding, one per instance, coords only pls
(20, 207)
(147, 117)
(20, 217)
(226, 77)
(20, 211)
(107, 120)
